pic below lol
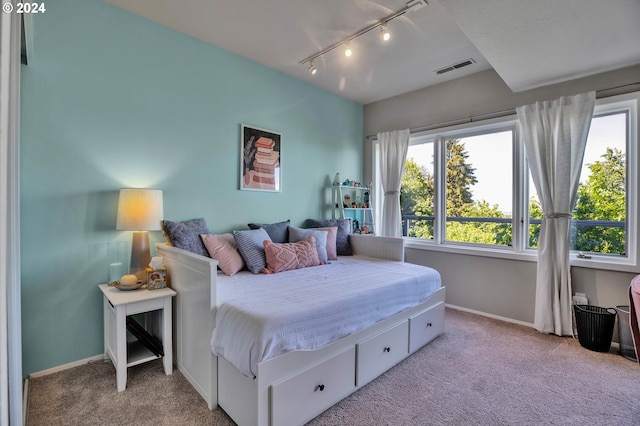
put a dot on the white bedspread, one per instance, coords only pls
(262, 316)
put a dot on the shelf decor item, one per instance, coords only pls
(260, 159)
(352, 201)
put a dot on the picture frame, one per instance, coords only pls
(260, 159)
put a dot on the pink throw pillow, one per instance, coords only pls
(332, 233)
(288, 256)
(222, 247)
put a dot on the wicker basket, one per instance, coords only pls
(627, 349)
(595, 326)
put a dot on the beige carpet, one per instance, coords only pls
(481, 371)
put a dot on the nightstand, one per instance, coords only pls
(154, 336)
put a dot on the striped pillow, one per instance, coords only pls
(250, 245)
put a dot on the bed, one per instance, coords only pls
(285, 384)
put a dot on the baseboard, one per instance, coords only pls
(25, 402)
(614, 344)
(484, 314)
(66, 366)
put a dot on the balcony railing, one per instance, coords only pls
(407, 219)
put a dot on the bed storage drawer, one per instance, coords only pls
(425, 327)
(379, 353)
(300, 398)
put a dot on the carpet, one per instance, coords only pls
(481, 371)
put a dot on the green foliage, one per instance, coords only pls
(602, 197)
(417, 190)
(416, 198)
(480, 232)
(535, 212)
(460, 177)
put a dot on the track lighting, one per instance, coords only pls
(347, 49)
(385, 35)
(384, 32)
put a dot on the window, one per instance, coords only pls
(467, 189)
(479, 176)
(477, 168)
(599, 218)
(416, 196)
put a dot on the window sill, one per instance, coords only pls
(471, 250)
(596, 262)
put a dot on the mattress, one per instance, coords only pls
(263, 316)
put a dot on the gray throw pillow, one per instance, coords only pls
(299, 234)
(278, 232)
(342, 237)
(251, 248)
(186, 235)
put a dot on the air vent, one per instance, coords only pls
(455, 66)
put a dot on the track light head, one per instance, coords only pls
(384, 32)
(312, 69)
(347, 50)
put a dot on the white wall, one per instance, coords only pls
(499, 287)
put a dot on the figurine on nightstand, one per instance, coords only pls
(366, 199)
(356, 226)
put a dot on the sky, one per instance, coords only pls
(488, 152)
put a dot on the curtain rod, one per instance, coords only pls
(599, 95)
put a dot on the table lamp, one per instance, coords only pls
(140, 211)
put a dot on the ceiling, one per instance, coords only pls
(528, 43)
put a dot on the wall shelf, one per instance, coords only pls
(360, 195)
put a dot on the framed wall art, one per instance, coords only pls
(260, 159)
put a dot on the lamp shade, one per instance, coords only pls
(139, 210)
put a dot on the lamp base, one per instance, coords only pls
(140, 254)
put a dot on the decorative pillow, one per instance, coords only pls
(278, 232)
(299, 234)
(342, 237)
(186, 235)
(288, 256)
(222, 247)
(250, 245)
(332, 232)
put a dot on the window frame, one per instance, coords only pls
(520, 190)
(467, 132)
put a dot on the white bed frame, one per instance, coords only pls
(297, 386)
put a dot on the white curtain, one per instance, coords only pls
(555, 135)
(393, 154)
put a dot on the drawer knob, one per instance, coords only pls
(429, 324)
(320, 388)
(386, 349)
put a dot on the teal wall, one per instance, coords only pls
(112, 100)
